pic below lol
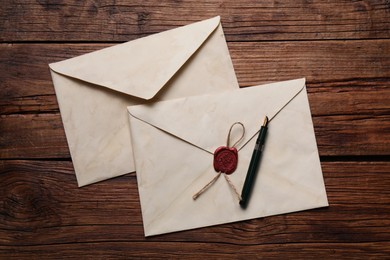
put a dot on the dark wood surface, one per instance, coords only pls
(341, 47)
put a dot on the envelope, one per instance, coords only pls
(174, 142)
(93, 90)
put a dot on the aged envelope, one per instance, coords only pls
(93, 90)
(174, 141)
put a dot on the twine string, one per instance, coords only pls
(208, 185)
(230, 131)
(231, 185)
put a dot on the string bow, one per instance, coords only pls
(225, 163)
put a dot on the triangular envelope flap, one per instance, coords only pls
(204, 121)
(141, 67)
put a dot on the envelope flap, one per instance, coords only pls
(141, 67)
(204, 121)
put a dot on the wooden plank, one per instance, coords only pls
(198, 250)
(42, 136)
(244, 20)
(342, 77)
(32, 136)
(43, 211)
(333, 63)
(352, 135)
(25, 75)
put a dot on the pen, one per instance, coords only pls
(253, 165)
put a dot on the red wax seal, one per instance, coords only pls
(225, 159)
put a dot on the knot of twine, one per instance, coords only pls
(208, 185)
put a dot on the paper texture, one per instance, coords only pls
(93, 90)
(174, 142)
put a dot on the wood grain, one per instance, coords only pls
(32, 136)
(41, 207)
(338, 84)
(341, 47)
(246, 20)
(199, 250)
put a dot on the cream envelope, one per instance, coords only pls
(93, 90)
(174, 141)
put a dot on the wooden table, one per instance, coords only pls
(341, 47)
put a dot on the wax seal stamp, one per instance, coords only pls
(225, 159)
(225, 162)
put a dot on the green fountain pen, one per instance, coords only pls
(254, 165)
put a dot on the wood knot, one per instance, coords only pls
(142, 19)
(29, 206)
(387, 3)
(51, 4)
